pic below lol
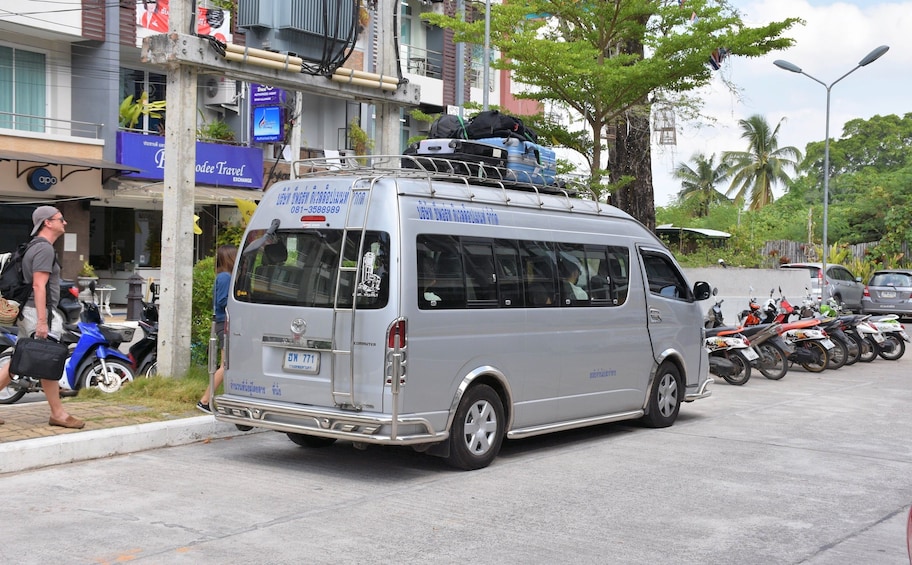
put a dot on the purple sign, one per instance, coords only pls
(216, 164)
(263, 94)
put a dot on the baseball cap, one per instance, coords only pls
(41, 214)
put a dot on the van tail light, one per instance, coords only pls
(397, 335)
(867, 292)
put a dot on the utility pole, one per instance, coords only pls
(177, 208)
(387, 124)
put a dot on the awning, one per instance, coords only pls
(669, 229)
(134, 191)
(108, 168)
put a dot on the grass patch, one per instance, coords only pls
(162, 395)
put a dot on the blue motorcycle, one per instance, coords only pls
(94, 361)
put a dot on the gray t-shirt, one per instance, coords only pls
(42, 258)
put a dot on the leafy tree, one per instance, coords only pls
(755, 171)
(606, 61)
(698, 183)
(881, 142)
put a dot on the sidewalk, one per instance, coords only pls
(112, 428)
(28, 442)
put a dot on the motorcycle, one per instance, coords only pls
(730, 355)
(772, 351)
(68, 304)
(894, 333)
(811, 345)
(144, 353)
(94, 360)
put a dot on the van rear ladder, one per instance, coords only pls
(343, 361)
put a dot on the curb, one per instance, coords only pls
(95, 444)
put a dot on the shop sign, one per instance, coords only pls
(216, 164)
(40, 179)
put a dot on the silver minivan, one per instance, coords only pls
(840, 283)
(393, 307)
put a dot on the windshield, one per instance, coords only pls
(302, 268)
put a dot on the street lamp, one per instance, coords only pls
(868, 59)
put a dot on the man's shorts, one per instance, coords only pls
(29, 321)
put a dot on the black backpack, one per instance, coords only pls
(12, 281)
(492, 123)
(448, 126)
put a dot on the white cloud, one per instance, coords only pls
(835, 37)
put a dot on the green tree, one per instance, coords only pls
(698, 183)
(607, 61)
(882, 142)
(755, 171)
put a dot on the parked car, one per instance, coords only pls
(889, 292)
(840, 283)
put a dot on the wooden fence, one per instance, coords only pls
(784, 251)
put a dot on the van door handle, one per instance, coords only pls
(655, 315)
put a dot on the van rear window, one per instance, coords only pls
(314, 268)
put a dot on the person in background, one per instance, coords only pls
(39, 313)
(225, 256)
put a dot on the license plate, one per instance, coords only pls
(827, 343)
(749, 353)
(301, 361)
(878, 337)
(887, 294)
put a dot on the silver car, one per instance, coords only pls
(840, 283)
(889, 292)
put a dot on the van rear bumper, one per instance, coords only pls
(373, 427)
(701, 392)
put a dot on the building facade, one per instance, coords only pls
(73, 132)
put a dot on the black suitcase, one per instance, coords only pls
(457, 156)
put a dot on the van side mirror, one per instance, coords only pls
(702, 290)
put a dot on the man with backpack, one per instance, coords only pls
(41, 269)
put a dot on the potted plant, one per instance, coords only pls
(86, 275)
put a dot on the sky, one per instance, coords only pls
(834, 38)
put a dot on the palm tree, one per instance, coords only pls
(698, 183)
(755, 171)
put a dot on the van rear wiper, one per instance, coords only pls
(266, 239)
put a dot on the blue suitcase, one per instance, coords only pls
(527, 162)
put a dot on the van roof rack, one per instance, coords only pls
(433, 168)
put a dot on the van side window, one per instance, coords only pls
(462, 272)
(664, 278)
(609, 268)
(539, 273)
(441, 279)
(509, 274)
(481, 279)
(574, 275)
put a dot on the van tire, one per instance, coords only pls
(664, 397)
(478, 429)
(305, 440)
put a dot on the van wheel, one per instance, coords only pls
(664, 398)
(478, 429)
(305, 440)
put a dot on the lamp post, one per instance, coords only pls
(791, 67)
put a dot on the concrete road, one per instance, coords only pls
(812, 469)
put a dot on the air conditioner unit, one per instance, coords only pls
(216, 90)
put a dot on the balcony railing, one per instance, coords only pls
(419, 61)
(476, 76)
(55, 126)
